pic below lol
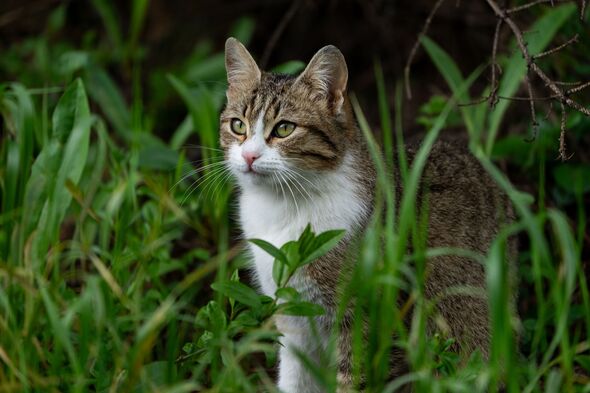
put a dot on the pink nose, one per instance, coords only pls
(249, 157)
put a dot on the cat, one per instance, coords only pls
(296, 151)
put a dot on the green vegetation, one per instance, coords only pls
(120, 269)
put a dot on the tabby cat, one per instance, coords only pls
(293, 144)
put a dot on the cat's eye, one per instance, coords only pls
(238, 126)
(284, 129)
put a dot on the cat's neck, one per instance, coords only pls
(340, 199)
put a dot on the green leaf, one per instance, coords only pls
(71, 109)
(287, 293)
(280, 272)
(300, 309)
(211, 317)
(238, 291)
(158, 157)
(291, 251)
(270, 249)
(57, 164)
(323, 243)
(450, 71)
(109, 98)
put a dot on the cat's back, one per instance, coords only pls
(466, 209)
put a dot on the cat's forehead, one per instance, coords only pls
(273, 93)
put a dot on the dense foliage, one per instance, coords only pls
(121, 267)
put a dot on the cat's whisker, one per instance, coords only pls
(193, 146)
(280, 184)
(201, 181)
(221, 180)
(294, 172)
(196, 171)
(304, 193)
(292, 193)
(211, 184)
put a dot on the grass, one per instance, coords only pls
(120, 268)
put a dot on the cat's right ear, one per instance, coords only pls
(242, 71)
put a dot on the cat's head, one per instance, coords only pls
(279, 127)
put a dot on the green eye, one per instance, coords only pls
(284, 129)
(238, 126)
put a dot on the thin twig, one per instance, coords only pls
(534, 123)
(578, 88)
(534, 3)
(493, 100)
(416, 45)
(562, 132)
(476, 102)
(560, 83)
(572, 40)
(530, 62)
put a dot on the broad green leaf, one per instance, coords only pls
(300, 309)
(238, 291)
(270, 249)
(292, 252)
(107, 95)
(58, 163)
(211, 317)
(71, 110)
(323, 243)
(287, 293)
(280, 272)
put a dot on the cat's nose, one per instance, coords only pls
(249, 157)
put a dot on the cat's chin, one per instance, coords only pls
(256, 179)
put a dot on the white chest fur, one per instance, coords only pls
(274, 217)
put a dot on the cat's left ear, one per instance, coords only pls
(242, 71)
(327, 74)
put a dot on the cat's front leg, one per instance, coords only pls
(293, 375)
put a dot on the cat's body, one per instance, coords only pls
(299, 158)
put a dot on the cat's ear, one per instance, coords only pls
(327, 74)
(242, 71)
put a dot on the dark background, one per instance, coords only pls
(364, 31)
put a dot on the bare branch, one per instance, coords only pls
(534, 3)
(530, 62)
(578, 88)
(572, 40)
(535, 125)
(493, 99)
(417, 44)
(562, 133)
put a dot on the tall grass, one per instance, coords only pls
(121, 268)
